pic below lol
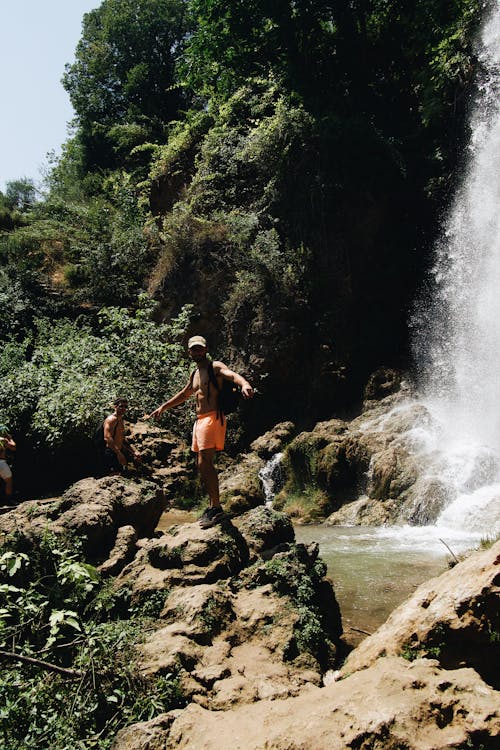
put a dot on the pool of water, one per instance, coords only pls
(374, 569)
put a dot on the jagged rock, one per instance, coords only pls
(164, 459)
(122, 552)
(364, 471)
(265, 529)
(391, 706)
(240, 486)
(189, 556)
(242, 628)
(455, 618)
(383, 382)
(274, 440)
(93, 510)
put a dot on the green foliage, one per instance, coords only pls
(21, 195)
(52, 609)
(121, 84)
(62, 381)
(231, 43)
(290, 575)
(432, 648)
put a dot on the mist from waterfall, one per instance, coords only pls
(457, 339)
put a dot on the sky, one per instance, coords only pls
(37, 39)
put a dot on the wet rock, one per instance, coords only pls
(274, 440)
(454, 618)
(93, 510)
(383, 382)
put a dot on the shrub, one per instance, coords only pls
(88, 686)
(70, 373)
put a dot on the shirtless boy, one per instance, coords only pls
(209, 429)
(117, 450)
(6, 443)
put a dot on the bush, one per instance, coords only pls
(60, 382)
(88, 686)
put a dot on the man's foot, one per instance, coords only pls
(211, 516)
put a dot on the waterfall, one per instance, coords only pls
(271, 478)
(458, 344)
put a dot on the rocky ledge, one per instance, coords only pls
(248, 621)
(389, 695)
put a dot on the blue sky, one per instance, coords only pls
(37, 39)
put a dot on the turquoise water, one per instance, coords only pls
(375, 569)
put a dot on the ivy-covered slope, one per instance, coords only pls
(279, 167)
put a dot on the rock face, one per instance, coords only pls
(94, 510)
(392, 706)
(379, 700)
(248, 616)
(365, 471)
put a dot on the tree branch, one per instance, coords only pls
(8, 655)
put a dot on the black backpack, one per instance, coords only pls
(228, 395)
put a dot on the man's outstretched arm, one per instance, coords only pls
(221, 369)
(176, 400)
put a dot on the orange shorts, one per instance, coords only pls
(208, 432)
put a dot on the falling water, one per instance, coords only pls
(271, 478)
(458, 344)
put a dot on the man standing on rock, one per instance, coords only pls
(117, 449)
(210, 427)
(7, 443)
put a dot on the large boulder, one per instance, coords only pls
(378, 700)
(92, 510)
(274, 441)
(247, 613)
(394, 705)
(365, 471)
(454, 618)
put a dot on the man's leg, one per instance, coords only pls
(8, 488)
(209, 477)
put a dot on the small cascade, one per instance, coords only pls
(272, 478)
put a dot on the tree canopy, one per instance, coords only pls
(122, 83)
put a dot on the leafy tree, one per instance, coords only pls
(121, 84)
(21, 194)
(61, 380)
(250, 38)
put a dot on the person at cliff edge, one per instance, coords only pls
(117, 449)
(7, 443)
(210, 426)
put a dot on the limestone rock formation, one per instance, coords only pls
(454, 618)
(365, 471)
(94, 510)
(378, 700)
(393, 705)
(248, 613)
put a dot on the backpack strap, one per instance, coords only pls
(212, 379)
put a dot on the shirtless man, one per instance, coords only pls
(209, 429)
(6, 444)
(117, 450)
